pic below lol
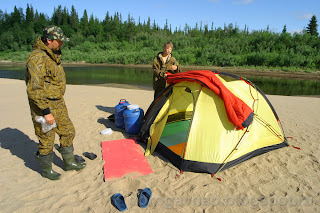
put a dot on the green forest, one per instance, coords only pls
(124, 40)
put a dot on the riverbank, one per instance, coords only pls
(284, 180)
(263, 72)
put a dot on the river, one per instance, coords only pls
(141, 78)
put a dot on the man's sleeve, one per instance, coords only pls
(35, 85)
(156, 68)
(178, 66)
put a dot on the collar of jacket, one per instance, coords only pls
(161, 57)
(55, 56)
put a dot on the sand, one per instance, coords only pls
(284, 180)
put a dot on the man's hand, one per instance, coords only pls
(174, 67)
(165, 76)
(49, 118)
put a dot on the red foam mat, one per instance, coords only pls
(123, 158)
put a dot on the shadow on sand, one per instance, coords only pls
(23, 147)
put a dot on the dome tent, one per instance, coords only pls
(208, 121)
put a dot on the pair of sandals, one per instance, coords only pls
(89, 155)
(120, 204)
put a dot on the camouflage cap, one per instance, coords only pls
(54, 32)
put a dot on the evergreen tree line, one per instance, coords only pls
(116, 40)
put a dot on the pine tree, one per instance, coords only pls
(312, 27)
(1, 21)
(40, 21)
(29, 14)
(186, 29)
(65, 17)
(206, 29)
(57, 16)
(74, 19)
(106, 22)
(148, 24)
(284, 29)
(95, 28)
(154, 26)
(166, 27)
(29, 25)
(16, 16)
(84, 23)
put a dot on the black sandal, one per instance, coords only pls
(90, 155)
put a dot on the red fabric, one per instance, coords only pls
(123, 158)
(237, 110)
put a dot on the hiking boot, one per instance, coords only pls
(46, 164)
(69, 160)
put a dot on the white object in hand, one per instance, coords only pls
(45, 127)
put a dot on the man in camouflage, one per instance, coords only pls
(164, 62)
(46, 85)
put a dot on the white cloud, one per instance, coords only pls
(243, 1)
(302, 16)
(306, 16)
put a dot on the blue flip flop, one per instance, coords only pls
(144, 197)
(118, 202)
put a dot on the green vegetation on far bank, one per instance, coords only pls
(114, 41)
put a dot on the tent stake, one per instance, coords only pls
(219, 179)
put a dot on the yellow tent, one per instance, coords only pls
(188, 124)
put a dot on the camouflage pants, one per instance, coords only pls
(64, 129)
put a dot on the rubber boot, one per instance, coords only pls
(68, 158)
(46, 164)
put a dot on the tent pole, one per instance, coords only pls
(194, 109)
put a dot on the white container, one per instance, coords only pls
(107, 131)
(132, 107)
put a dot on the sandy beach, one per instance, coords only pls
(284, 180)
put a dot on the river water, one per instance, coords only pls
(141, 78)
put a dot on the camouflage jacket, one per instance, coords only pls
(160, 68)
(44, 77)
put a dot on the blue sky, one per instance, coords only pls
(255, 14)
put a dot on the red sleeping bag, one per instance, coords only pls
(239, 113)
